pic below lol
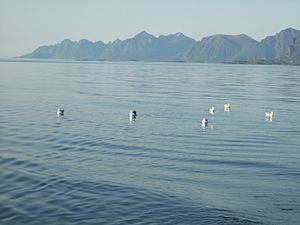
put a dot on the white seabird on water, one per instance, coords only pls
(269, 114)
(212, 110)
(132, 114)
(204, 122)
(60, 112)
(227, 107)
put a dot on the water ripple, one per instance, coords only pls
(94, 166)
(96, 203)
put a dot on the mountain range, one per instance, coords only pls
(175, 47)
(142, 46)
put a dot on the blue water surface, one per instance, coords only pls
(94, 166)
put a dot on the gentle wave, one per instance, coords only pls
(77, 202)
(94, 166)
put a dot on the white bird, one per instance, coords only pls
(60, 112)
(212, 110)
(227, 107)
(204, 122)
(132, 114)
(269, 114)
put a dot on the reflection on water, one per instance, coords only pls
(96, 166)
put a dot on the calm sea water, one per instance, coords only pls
(94, 166)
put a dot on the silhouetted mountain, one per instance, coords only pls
(269, 48)
(217, 48)
(174, 47)
(140, 47)
(145, 46)
(68, 49)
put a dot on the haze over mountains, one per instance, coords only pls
(174, 47)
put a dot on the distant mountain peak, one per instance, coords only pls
(178, 34)
(66, 41)
(143, 34)
(84, 41)
(242, 35)
(288, 29)
(116, 41)
(288, 32)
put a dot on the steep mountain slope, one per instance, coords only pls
(145, 46)
(217, 48)
(68, 49)
(173, 44)
(139, 47)
(269, 48)
(292, 55)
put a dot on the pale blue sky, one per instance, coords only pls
(27, 24)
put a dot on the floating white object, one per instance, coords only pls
(132, 114)
(204, 122)
(212, 110)
(227, 107)
(269, 114)
(60, 112)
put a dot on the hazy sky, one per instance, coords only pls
(27, 24)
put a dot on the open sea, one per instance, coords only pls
(94, 166)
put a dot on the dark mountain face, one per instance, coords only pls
(292, 55)
(172, 45)
(269, 48)
(138, 47)
(68, 49)
(230, 48)
(281, 41)
(218, 48)
(145, 46)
